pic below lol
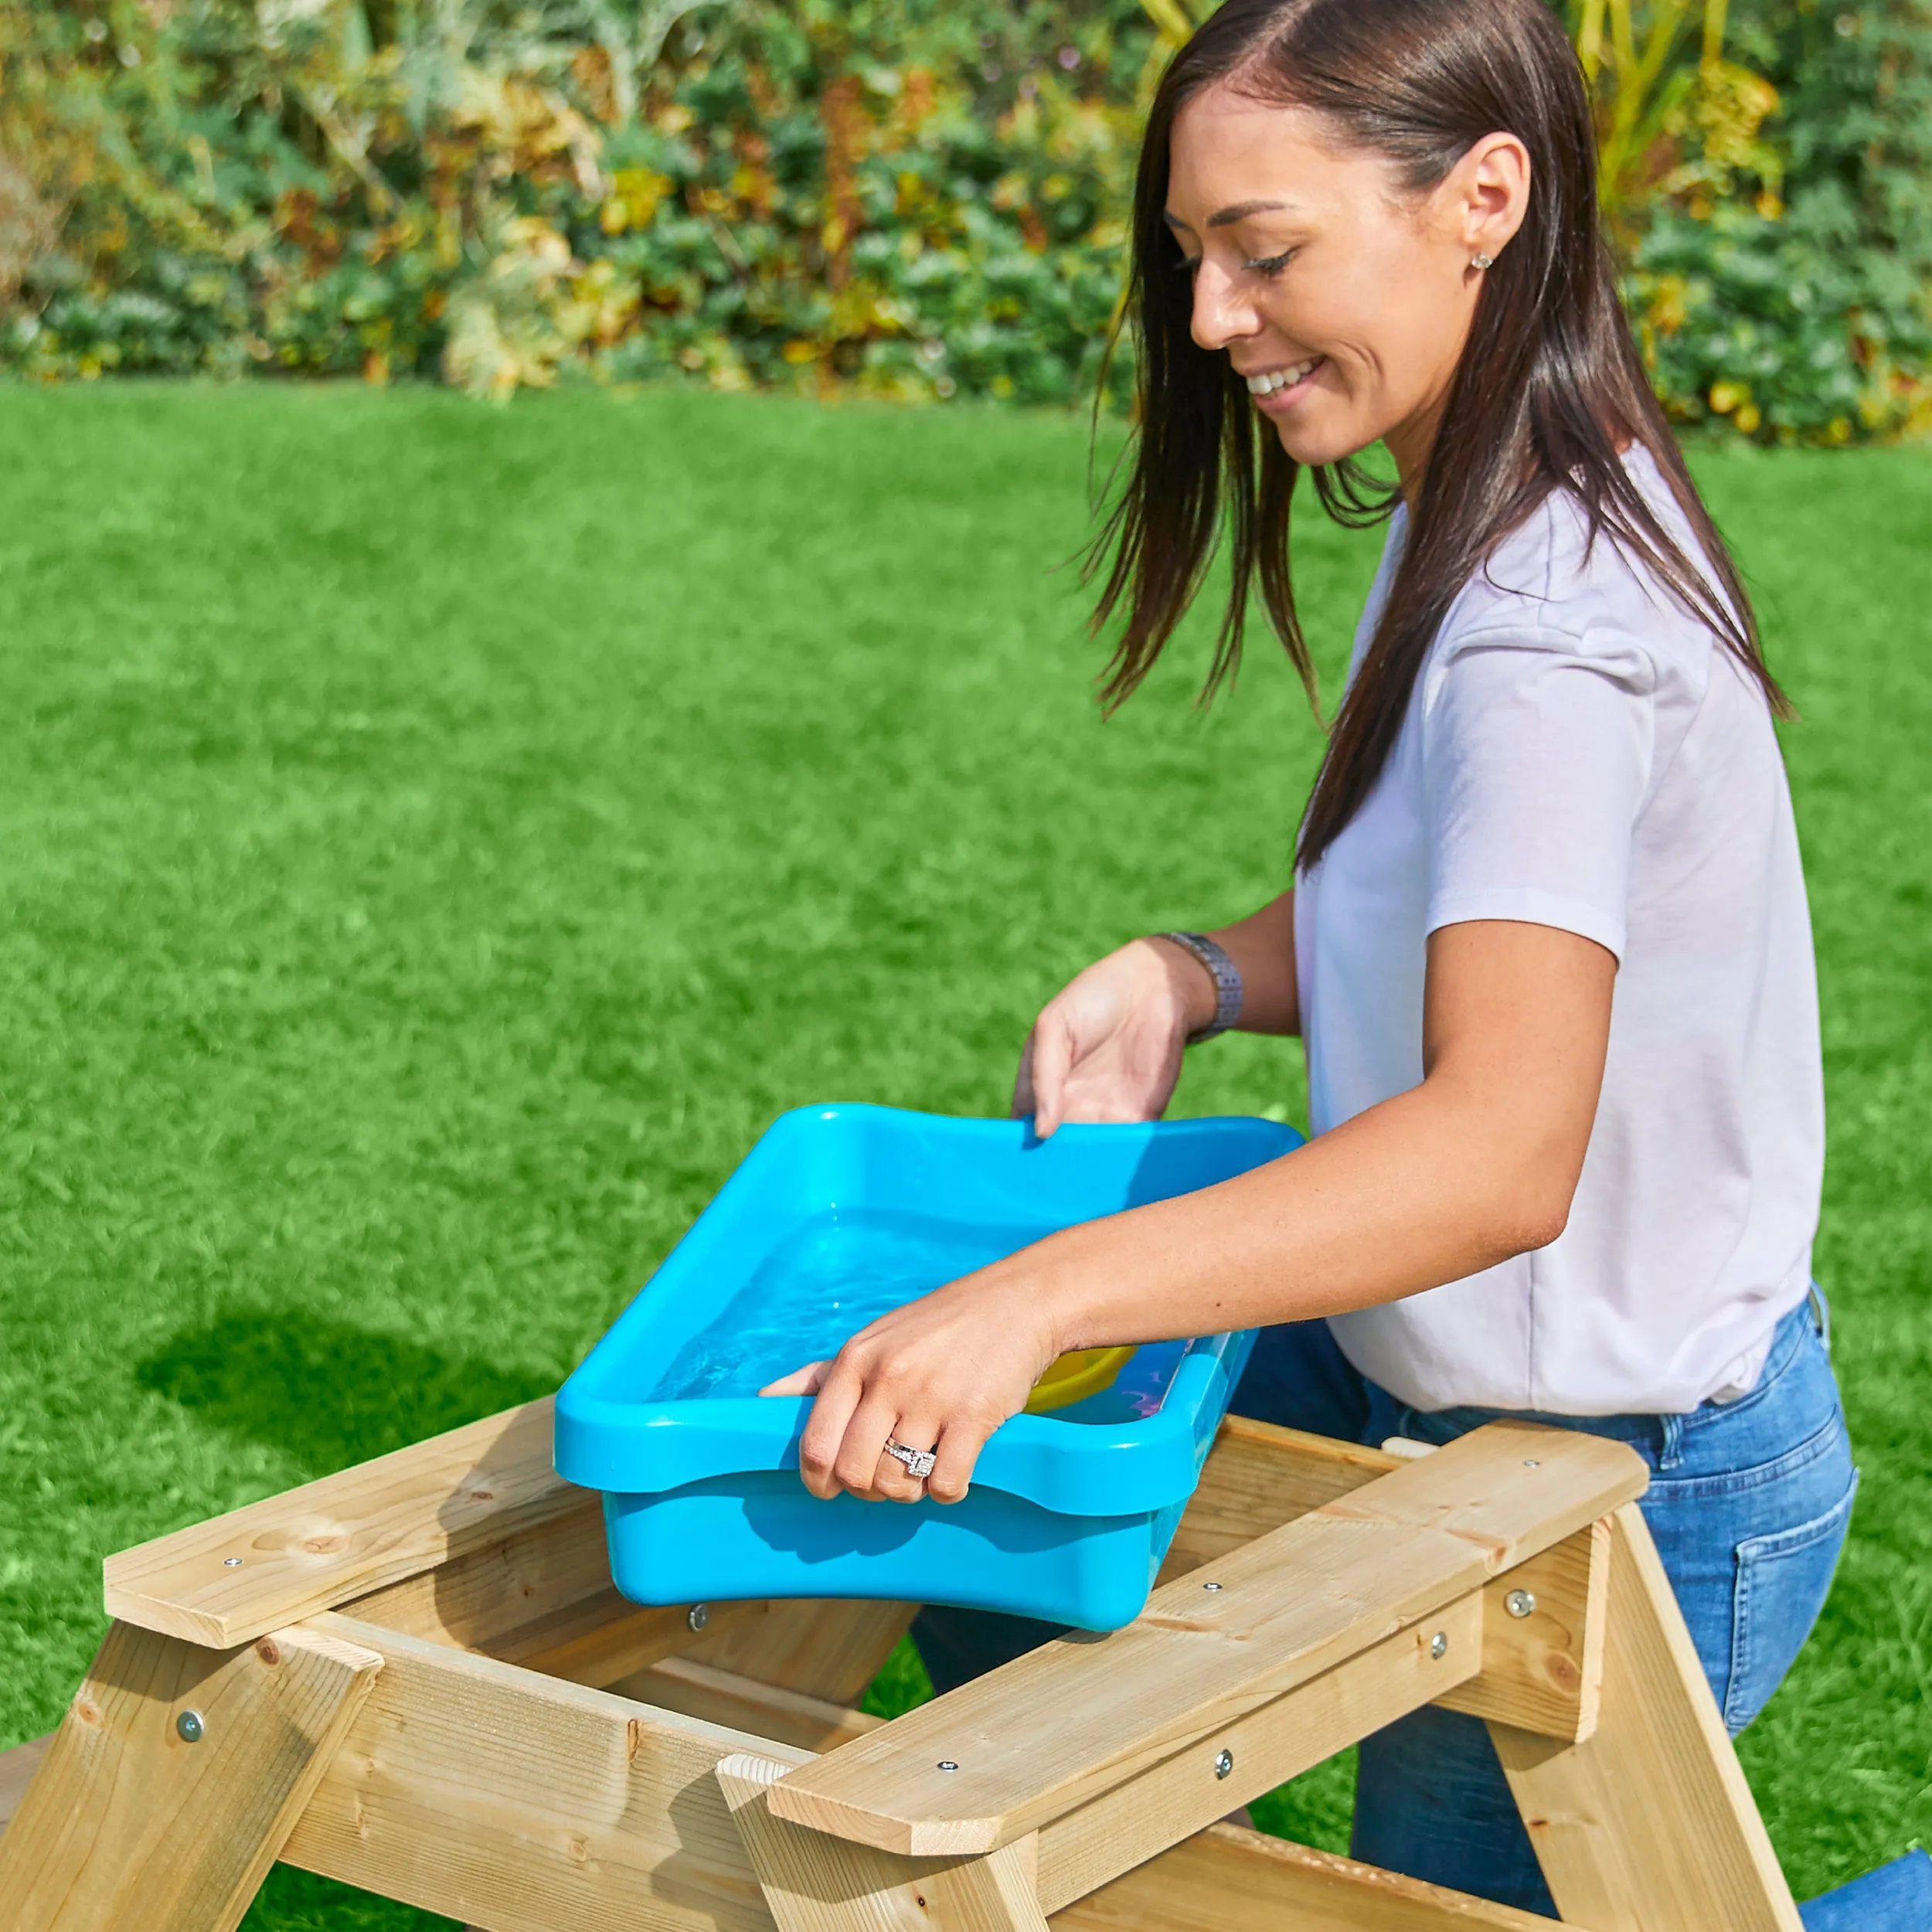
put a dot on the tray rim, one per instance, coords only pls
(1138, 1467)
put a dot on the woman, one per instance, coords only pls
(1547, 940)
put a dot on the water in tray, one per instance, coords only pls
(831, 1274)
(822, 1284)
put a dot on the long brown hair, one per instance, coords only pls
(1549, 385)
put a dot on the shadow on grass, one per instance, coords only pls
(327, 1392)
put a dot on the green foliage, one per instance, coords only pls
(904, 198)
(896, 196)
(1786, 281)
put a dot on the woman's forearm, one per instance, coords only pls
(1262, 947)
(1475, 1164)
(1403, 1198)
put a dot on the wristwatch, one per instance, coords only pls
(1227, 982)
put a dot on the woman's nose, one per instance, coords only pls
(1221, 314)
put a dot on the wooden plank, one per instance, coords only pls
(527, 1804)
(516, 1578)
(1056, 1728)
(1233, 1880)
(510, 1542)
(762, 1710)
(1178, 1797)
(813, 1883)
(1544, 1672)
(17, 1767)
(541, 1596)
(1647, 1825)
(228, 1581)
(1258, 1476)
(831, 1648)
(1540, 1673)
(576, 1624)
(131, 1826)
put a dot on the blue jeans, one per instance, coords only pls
(1749, 1501)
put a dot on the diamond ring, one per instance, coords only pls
(919, 1462)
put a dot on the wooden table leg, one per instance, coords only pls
(173, 1780)
(1647, 1825)
(817, 1883)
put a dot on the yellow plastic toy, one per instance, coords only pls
(1079, 1373)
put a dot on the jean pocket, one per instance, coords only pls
(1783, 1579)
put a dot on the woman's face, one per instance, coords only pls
(1343, 301)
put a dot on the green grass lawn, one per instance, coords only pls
(438, 840)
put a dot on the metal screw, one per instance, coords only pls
(231, 1563)
(1520, 1603)
(1439, 1644)
(946, 1764)
(1223, 1763)
(698, 1616)
(1210, 1586)
(189, 1728)
(1530, 1462)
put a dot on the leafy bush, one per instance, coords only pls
(903, 197)
(897, 197)
(1786, 282)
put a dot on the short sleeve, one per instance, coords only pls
(1536, 750)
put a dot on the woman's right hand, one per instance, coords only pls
(1107, 1046)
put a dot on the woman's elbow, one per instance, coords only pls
(1534, 1209)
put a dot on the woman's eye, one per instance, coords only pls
(1271, 264)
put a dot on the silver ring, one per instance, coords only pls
(919, 1462)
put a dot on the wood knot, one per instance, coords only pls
(482, 1496)
(86, 1712)
(267, 1650)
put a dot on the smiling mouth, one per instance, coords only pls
(1272, 382)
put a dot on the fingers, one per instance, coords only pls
(855, 1463)
(807, 1381)
(1023, 1103)
(820, 1446)
(890, 1477)
(1051, 1057)
(959, 1451)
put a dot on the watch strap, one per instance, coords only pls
(1227, 981)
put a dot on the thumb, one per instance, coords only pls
(1023, 1082)
(1053, 1060)
(807, 1381)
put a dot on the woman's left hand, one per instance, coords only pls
(940, 1373)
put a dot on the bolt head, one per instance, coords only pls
(1520, 1603)
(1439, 1644)
(1223, 1763)
(698, 1616)
(231, 1563)
(1211, 1587)
(189, 1728)
(1530, 1462)
(946, 1764)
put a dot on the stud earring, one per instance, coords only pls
(1482, 261)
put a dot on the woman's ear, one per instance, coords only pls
(1490, 193)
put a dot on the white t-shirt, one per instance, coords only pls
(1579, 752)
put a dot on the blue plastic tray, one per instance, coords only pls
(836, 1213)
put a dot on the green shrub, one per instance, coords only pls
(1786, 282)
(903, 197)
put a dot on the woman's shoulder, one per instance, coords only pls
(1554, 581)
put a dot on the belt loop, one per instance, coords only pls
(1671, 1454)
(1821, 1316)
